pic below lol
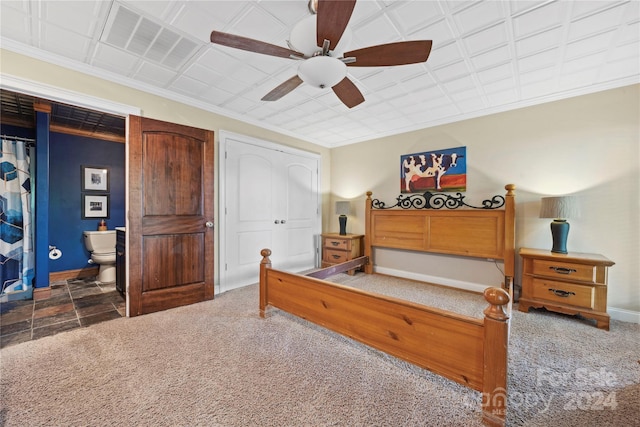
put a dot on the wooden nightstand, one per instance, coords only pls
(573, 283)
(337, 248)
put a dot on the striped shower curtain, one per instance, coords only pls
(16, 232)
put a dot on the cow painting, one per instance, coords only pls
(442, 170)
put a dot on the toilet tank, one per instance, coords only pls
(100, 241)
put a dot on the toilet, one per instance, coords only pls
(102, 245)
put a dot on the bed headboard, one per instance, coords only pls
(445, 224)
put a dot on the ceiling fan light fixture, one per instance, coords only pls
(313, 6)
(322, 71)
(303, 38)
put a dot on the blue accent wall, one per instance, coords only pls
(63, 212)
(67, 155)
(41, 229)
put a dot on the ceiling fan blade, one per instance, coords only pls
(283, 89)
(383, 55)
(348, 93)
(333, 17)
(244, 43)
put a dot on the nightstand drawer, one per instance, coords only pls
(333, 243)
(565, 293)
(335, 256)
(565, 270)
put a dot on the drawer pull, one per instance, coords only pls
(562, 270)
(561, 293)
(334, 243)
(336, 256)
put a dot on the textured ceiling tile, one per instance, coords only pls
(451, 72)
(188, 86)
(15, 22)
(412, 15)
(540, 60)
(629, 50)
(445, 55)
(592, 44)
(260, 25)
(459, 85)
(499, 86)
(629, 33)
(629, 67)
(583, 63)
(378, 31)
(577, 79)
(63, 14)
(545, 74)
(505, 97)
(440, 32)
(239, 104)
(539, 19)
(155, 75)
(582, 8)
(479, 15)
(487, 39)
(495, 73)
(606, 20)
(538, 42)
(200, 73)
(115, 60)
(519, 6)
(65, 42)
(494, 56)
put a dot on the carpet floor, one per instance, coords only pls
(217, 363)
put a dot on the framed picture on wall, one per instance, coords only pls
(95, 206)
(440, 170)
(95, 178)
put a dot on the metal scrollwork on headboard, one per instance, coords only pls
(430, 200)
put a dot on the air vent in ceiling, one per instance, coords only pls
(141, 36)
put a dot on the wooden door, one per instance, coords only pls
(170, 228)
(270, 199)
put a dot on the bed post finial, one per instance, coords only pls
(264, 265)
(369, 193)
(511, 188)
(497, 299)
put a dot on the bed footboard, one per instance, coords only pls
(470, 351)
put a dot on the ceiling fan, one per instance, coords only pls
(319, 41)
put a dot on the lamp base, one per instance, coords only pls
(343, 225)
(559, 233)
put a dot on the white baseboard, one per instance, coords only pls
(459, 284)
(624, 315)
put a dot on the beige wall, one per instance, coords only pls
(588, 145)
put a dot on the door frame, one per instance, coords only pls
(223, 137)
(53, 93)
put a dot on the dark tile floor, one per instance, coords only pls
(73, 304)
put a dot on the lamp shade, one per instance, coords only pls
(343, 208)
(561, 207)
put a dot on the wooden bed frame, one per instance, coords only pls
(470, 351)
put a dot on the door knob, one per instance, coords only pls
(277, 222)
(208, 224)
(282, 221)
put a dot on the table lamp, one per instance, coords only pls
(343, 209)
(560, 209)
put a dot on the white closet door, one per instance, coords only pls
(295, 248)
(270, 201)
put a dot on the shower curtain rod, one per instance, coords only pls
(19, 138)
